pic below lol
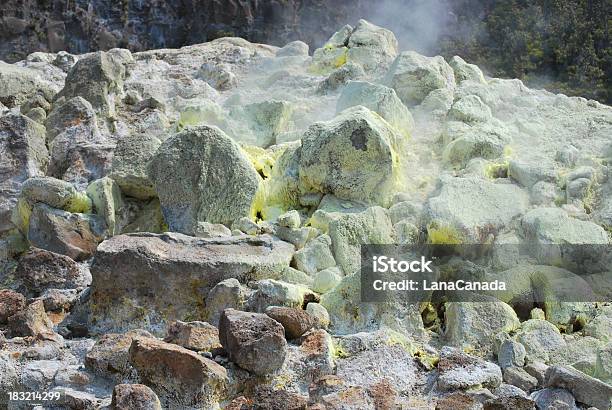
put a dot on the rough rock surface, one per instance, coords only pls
(201, 175)
(253, 341)
(181, 267)
(180, 376)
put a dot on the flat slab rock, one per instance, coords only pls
(147, 280)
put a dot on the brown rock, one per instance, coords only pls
(134, 397)
(266, 398)
(181, 377)
(73, 235)
(30, 321)
(384, 395)
(193, 335)
(253, 341)
(110, 357)
(351, 398)
(295, 321)
(458, 401)
(132, 271)
(40, 270)
(11, 302)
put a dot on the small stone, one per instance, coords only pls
(315, 256)
(30, 321)
(509, 403)
(458, 370)
(458, 401)
(269, 398)
(518, 377)
(199, 336)
(537, 370)
(253, 341)
(511, 353)
(290, 219)
(537, 313)
(326, 280)
(295, 321)
(225, 294)
(134, 397)
(319, 314)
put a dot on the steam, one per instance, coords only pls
(417, 24)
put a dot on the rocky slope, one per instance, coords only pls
(180, 228)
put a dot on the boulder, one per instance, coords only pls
(30, 321)
(198, 336)
(372, 47)
(465, 142)
(40, 270)
(23, 154)
(270, 292)
(555, 226)
(553, 398)
(109, 356)
(350, 231)
(134, 396)
(295, 321)
(130, 271)
(470, 109)
(59, 300)
(180, 377)
(19, 84)
(69, 113)
(414, 76)
(228, 293)
(294, 48)
(201, 175)
(511, 353)
(11, 302)
(108, 203)
(452, 218)
(584, 388)
(260, 123)
(98, 78)
(380, 99)
(326, 280)
(55, 193)
(316, 255)
(475, 323)
(465, 71)
(130, 165)
(253, 341)
(460, 371)
(518, 377)
(354, 156)
(318, 313)
(70, 234)
(540, 339)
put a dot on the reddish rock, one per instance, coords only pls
(199, 336)
(11, 302)
(134, 397)
(295, 321)
(40, 270)
(30, 321)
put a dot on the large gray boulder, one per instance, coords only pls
(380, 99)
(555, 226)
(458, 370)
(131, 271)
(55, 193)
(414, 76)
(202, 175)
(452, 216)
(584, 388)
(23, 154)
(372, 47)
(98, 78)
(19, 84)
(253, 341)
(354, 156)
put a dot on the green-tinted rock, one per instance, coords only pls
(107, 202)
(201, 175)
(55, 193)
(130, 161)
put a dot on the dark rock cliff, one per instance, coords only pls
(79, 26)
